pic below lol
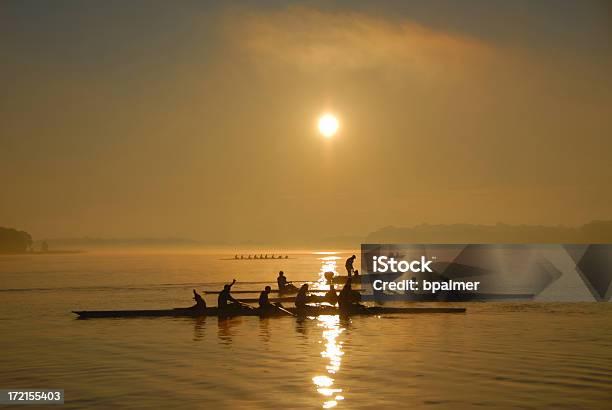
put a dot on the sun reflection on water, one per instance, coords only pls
(328, 264)
(333, 348)
(333, 352)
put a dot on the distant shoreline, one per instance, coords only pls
(67, 252)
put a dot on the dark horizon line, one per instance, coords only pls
(456, 228)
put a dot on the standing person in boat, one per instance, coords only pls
(283, 284)
(200, 302)
(348, 299)
(349, 265)
(302, 297)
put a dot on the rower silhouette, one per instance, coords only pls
(349, 265)
(331, 296)
(302, 297)
(264, 301)
(225, 299)
(283, 284)
(200, 303)
(348, 299)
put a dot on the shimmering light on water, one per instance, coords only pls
(502, 355)
(328, 264)
(329, 404)
(333, 348)
(333, 352)
(323, 381)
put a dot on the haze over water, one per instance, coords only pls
(554, 355)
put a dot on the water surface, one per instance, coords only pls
(510, 355)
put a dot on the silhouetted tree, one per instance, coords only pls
(14, 241)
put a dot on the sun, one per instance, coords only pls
(328, 125)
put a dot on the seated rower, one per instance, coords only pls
(264, 301)
(348, 299)
(283, 284)
(225, 299)
(302, 297)
(331, 296)
(200, 303)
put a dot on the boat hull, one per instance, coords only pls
(284, 292)
(308, 311)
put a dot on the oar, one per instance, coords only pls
(255, 300)
(282, 309)
(244, 305)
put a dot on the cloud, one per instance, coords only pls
(315, 42)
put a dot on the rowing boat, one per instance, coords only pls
(365, 279)
(256, 259)
(213, 311)
(284, 292)
(287, 299)
(445, 296)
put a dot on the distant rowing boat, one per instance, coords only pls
(255, 259)
(213, 311)
(263, 258)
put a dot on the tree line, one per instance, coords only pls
(14, 241)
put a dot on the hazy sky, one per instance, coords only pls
(198, 119)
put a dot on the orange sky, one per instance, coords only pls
(199, 121)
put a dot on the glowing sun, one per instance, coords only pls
(328, 125)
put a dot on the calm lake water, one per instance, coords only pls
(509, 355)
